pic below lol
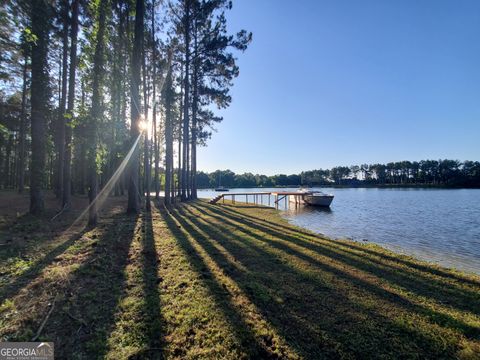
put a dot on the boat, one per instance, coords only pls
(220, 187)
(313, 198)
(318, 198)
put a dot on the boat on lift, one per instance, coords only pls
(313, 198)
(318, 198)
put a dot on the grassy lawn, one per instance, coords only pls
(225, 281)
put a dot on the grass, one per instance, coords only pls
(231, 281)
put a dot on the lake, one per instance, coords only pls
(437, 225)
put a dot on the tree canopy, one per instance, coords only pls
(83, 84)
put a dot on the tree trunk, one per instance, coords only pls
(146, 155)
(135, 111)
(186, 101)
(96, 114)
(1, 154)
(168, 134)
(194, 118)
(63, 100)
(80, 150)
(187, 156)
(156, 148)
(67, 169)
(180, 155)
(179, 166)
(124, 42)
(40, 28)
(23, 125)
(6, 170)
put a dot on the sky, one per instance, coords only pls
(337, 82)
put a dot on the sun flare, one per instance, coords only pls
(142, 125)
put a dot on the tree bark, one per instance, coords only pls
(40, 28)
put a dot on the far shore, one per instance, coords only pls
(353, 186)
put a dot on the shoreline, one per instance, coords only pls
(396, 249)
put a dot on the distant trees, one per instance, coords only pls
(425, 172)
(405, 173)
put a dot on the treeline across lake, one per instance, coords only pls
(451, 173)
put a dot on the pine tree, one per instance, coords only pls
(168, 96)
(67, 175)
(60, 131)
(214, 68)
(96, 112)
(40, 16)
(135, 108)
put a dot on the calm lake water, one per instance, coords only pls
(438, 225)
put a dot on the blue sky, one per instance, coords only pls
(338, 82)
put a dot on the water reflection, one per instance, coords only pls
(305, 210)
(434, 224)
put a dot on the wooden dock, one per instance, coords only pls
(258, 197)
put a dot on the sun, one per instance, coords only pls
(142, 125)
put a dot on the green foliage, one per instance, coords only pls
(101, 157)
(3, 131)
(28, 36)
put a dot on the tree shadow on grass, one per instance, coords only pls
(11, 289)
(313, 315)
(152, 309)
(401, 300)
(414, 281)
(418, 266)
(85, 314)
(455, 295)
(254, 348)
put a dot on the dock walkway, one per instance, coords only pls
(258, 197)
